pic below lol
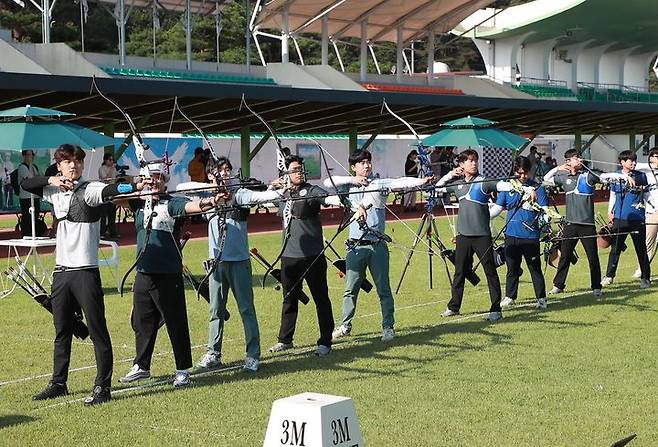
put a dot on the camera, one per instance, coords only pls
(121, 173)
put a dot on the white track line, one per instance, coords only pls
(145, 386)
(83, 368)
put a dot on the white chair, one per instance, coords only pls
(112, 262)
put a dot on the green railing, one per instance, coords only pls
(186, 76)
(545, 91)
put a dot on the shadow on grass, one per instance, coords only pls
(10, 420)
(366, 346)
(369, 345)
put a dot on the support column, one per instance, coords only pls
(325, 40)
(188, 34)
(430, 56)
(398, 55)
(121, 24)
(631, 141)
(45, 22)
(353, 141)
(245, 143)
(285, 31)
(363, 55)
(578, 140)
(108, 130)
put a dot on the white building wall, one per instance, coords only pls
(611, 67)
(636, 69)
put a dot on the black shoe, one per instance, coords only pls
(51, 391)
(100, 395)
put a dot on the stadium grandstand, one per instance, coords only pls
(550, 70)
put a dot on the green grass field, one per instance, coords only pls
(581, 373)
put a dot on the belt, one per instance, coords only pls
(61, 268)
(362, 242)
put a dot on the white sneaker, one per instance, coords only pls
(135, 373)
(541, 303)
(638, 273)
(494, 316)
(322, 350)
(606, 281)
(182, 379)
(280, 347)
(251, 364)
(597, 292)
(388, 334)
(645, 284)
(449, 313)
(555, 290)
(341, 331)
(210, 360)
(507, 302)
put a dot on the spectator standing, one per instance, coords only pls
(411, 168)
(8, 167)
(27, 169)
(107, 173)
(197, 168)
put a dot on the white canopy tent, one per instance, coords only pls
(401, 21)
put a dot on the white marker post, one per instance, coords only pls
(313, 420)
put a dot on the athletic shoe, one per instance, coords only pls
(388, 334)
(100, 395)
(135, 373)
(182, 379)
(638, 273)
(322, 350)
(51, 391)
(281, 347)
(494, 316)
(251, 364)
(555, 290)
(541, 303)
(449, 313)
(645, 284)
(597, 292)
(210, 360)
(341, 331)
(507, 302)
(606, 281)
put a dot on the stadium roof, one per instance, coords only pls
(384, 16)
(626, 24)
(197, 6)
(293, 110)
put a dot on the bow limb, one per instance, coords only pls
(399, 118)
(209, 145)
(281, 166)
(140, 150)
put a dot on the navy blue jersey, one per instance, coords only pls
(629, 203)
(524, 221)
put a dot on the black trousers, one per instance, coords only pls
(109, 219)
(639, 243)
(72, 290)
(26, 218)
(157, 297)
(568, 246)
(516, 249)
(465, 248)
(292, 270)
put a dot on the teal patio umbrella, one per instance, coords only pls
(38, 128)
(473, 132)
(29, 127)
